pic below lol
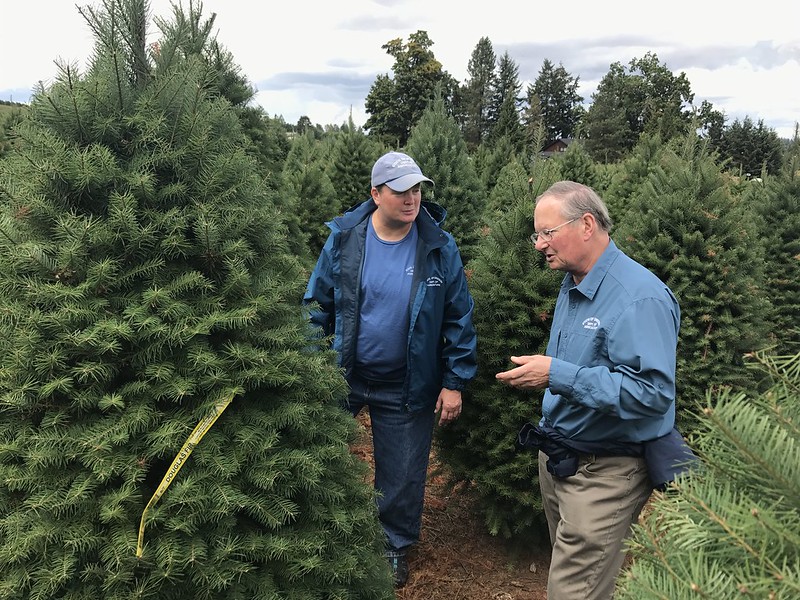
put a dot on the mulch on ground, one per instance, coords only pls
(456, 557)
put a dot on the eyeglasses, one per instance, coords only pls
(547, 234)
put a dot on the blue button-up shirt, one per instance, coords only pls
(613, 343)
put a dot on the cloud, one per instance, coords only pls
(377, 23)
(590, 59)
(326, 85)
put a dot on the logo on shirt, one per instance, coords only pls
(433, 281)
(410, 270)
(591, 323)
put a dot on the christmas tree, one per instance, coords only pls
(350, 163)
(776, 201)
(167, 431)
(731, 528)
(686, 224)
(439, 148)
(515, 293)
(310, 191)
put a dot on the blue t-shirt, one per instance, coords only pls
(384, 313)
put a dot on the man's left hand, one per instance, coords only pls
(449, 403)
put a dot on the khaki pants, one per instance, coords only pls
(589, 516)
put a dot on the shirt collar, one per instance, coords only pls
(589, 285)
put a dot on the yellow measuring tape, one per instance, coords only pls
(194, 438)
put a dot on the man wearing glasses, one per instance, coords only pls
(609, 381)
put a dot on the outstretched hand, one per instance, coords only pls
(533, 372)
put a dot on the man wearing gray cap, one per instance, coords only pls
(389, 286)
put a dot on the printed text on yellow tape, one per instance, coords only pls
(194, 438)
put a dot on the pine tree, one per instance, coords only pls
(576, 165)
(476, 93)
(8, 123)
(504, 113)
(690, 230)
(190, 34)
(512, 186)
(632, 175)
(310, 191)
(491, 157)
(350, 164)
(515, 293)
(731, 528)
(554, 103)
(145, 283)
(754, 150)
(269, 144)
(777, 203)
(438, 147)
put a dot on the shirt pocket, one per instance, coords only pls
(581, 347)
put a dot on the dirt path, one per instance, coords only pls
(456, 558)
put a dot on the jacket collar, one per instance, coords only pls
(429, 220)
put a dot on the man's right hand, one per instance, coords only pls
(533, 372)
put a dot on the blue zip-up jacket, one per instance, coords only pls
(441, 346)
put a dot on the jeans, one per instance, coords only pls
(401, 443)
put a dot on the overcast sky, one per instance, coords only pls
(318, 58)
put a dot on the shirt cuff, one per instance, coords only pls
(562, 377)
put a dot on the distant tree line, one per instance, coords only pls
(642, 97)
(493, 111)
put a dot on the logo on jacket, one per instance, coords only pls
(410, 270)
(591, 323)
(433, 281)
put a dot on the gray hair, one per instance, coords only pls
(577, 200)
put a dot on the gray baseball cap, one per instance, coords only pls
(398, 171)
